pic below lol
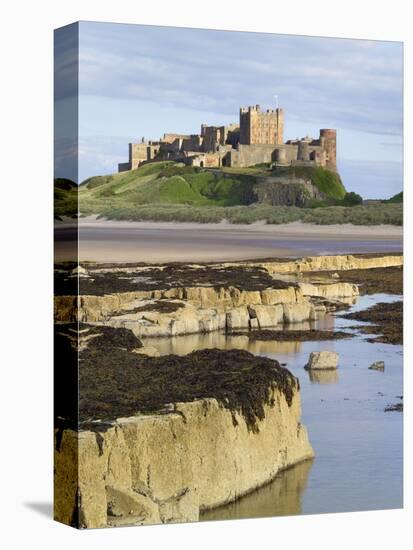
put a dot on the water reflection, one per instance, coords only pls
(281, 497)
(181, 345)
(328, 376)
(358, 447)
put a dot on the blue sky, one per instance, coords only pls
(139, 81)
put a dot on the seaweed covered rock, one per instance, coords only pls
(387, 319)
(377, 365)
(159, 439)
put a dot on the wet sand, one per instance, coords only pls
(117, 241)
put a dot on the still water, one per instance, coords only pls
(358, 446)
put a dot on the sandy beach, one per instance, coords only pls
(124, 241)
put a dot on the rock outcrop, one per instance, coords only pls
(332, 263)
(267, 295)
(329, 291)
(286, 191)
(158, 439)
(201, 309)
(322, 360)
(168, 467)
(377, 365)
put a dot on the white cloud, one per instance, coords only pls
(350, 82)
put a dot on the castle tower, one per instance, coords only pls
(261, 127)
(328, 140)
(303, 150)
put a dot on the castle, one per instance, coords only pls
(257, 138)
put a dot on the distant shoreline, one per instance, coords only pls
(158, 242)
(294, 229)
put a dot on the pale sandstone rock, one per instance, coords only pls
(297, 313)
(334, 290)
(104, 309)
(245, 297)
(211, 320)
(79, 270)
(173, 293)
(267, 316)
(319, 360)
(185, 322)
(318, 311)
(99, 308)
(331, 263)
(167, 467)
(254, 323)
(237, 318)
(204, 296)
(272, 296)
(192, 317)
(126, 507)
(149, 328)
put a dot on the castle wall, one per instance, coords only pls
(123, 166)
(215, 136)
(193, 143)
(258, 139)
(140, 152)
(233, 137)
(152, 150)
(169, 138)
(207, 160)
(137, 154)
(248, 155)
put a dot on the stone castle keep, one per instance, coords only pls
(257, 138)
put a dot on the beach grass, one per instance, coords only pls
(391, 214)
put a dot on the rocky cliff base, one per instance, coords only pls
(161, 439)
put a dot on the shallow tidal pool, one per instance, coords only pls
(358, 447)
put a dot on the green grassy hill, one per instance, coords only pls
(169, 191)
(65, 197)
(165, 183)
(396, 198)
(174, 183)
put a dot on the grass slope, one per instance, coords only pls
(166, 183)
(65, 196)
(174, 183)
(169, 191)
(396, 198)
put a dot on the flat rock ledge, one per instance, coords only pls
(169, 300)
(160, 468)
(190, 310)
